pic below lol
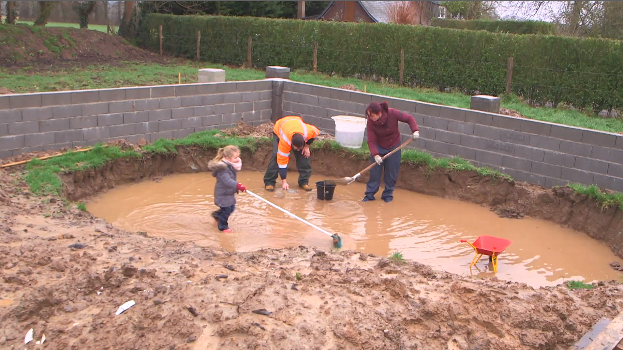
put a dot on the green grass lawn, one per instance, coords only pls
(98, 27)
(29, 79)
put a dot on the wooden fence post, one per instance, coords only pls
(160, 35)
(249, 49)
(315, 57)
(402, 65)
(198, 43)
(509, 75)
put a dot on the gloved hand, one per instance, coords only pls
(241, 187)
(378, 159)
(416, 135)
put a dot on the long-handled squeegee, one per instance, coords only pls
(337, 240)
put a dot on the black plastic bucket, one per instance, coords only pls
(325, 190)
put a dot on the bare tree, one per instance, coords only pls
(45, 9)
(84, 9)
(402, 12)
(11, 12)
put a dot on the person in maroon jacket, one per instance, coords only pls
(383, 137)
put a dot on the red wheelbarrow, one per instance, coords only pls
(488, 245)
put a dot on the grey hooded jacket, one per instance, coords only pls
(226, 183)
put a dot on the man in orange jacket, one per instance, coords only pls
(290, 134)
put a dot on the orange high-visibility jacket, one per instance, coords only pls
(285, 129)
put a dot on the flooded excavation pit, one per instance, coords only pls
(423, 228)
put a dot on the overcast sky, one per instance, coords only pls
(506, 10)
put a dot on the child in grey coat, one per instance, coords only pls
(225, 167)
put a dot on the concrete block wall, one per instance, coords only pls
(50, 121)
(536, 152)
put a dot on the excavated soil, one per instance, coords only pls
(65, 274)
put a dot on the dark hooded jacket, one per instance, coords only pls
(226, 183)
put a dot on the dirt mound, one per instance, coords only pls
(350, 87)
(262, 130)
(24, 44)
(511, 112)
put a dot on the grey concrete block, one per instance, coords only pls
(135, 117)
(545, 142)
(226, 87)
(485, 103)
(546, 169)
(577, 149)
(535, 127)
(619, 142)
(505, 122)
(250, 96)
(122, 130)
(551, 182)
(428, 109)
(5, 103)
(299, 108)
(261, 105)
(211, 75)
(162, 91)
(97, 133)
(29, 149)
(8, 153)
(213, 99)
(83, 122)
(95, 109)
(146, 128)
(487, 132)
(212, 120)
(180, 134)
(615, 170)
(608, 154)
(463, 152)
(10, 116)
(452, 113)
(266, 114)
(146, 105)
(201, 111)
(363, 98)
(558, 158)
(448, 137)
(12, 142)
(568, 133)
(88, 96)
(24, 101)
(609, 182)
(207, 89)
(161, 135)
(277, 72)
(137, 93)
(35, 114)
(224, 109)
(436, 123)
(4, 129)
(66, 111)
(170, 102)
(40, 139)
(308, 99)
(530, 153)
(55, 98)
(265, 95)
(185, 90)
(172, 124)
(243, 107)
(598, 138)
(121, 107)
(592, 165)
(302, 88)
(479, 117)
(499, 147)
(263, 85)
(472, 141)
(162, 114)
(54, 125)
(68, 136)
(192, 122)
(510, 136)
(189, 101)
(438, 147)
(109, 119)
(319, 91)
(23, 128)
(112, 95)
(232, 98)
(516, 163)
(489, 158)
(339, 94)
(251, 116)
(578, 176)
(246, 86)
(406, 106)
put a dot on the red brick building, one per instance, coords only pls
(374, 11)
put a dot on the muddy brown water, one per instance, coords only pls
(423, 228)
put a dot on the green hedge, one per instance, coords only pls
(581, 72)
(513, 27)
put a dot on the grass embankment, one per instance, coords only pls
(127, 74)
(42, 175)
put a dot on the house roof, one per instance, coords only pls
(377, 10)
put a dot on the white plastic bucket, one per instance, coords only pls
(349, 130)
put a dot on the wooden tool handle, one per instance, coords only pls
(387, 155)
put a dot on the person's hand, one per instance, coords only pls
(305, 151)
(285, 185)
(416, 135)
(378, 159)
(241, 187)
